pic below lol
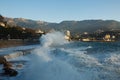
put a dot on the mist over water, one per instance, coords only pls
(54, 38)
(58, 59)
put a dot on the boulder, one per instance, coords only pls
(2, 60)
(10, 72)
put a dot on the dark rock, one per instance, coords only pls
(10, 72)
(2, 60)
(7, 65)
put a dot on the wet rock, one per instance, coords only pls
(10, 72)
(2, 60)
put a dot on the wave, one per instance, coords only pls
(58, 59)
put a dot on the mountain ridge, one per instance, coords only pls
(74, 26)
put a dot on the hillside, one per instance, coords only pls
(74, 26)
(14, 31)
(14, 35)
(90, 25)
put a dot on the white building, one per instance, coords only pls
(39, 31)
(2, 24)
(107, 37)
(68, 35)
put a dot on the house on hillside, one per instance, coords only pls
(107, 37)
(68, 35)
(2, 21)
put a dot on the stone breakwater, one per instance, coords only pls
(7, 66)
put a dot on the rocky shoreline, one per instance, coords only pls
(7, 69)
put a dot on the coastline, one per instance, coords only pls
(16, 42)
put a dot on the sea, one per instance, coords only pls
(58, 59)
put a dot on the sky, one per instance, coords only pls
(60, 10)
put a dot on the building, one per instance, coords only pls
(86, 39)
(2, 24)
(85, 33)
(2, 21)
(39, 31)
(68, 35)
(107, 37)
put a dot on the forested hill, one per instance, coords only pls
(73, 26)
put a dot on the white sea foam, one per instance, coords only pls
(52, 39)
(47, 41)
(114, 59)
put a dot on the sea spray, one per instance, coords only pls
(44, 66)
(53, 39)
(43, 53)
(49, 40)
